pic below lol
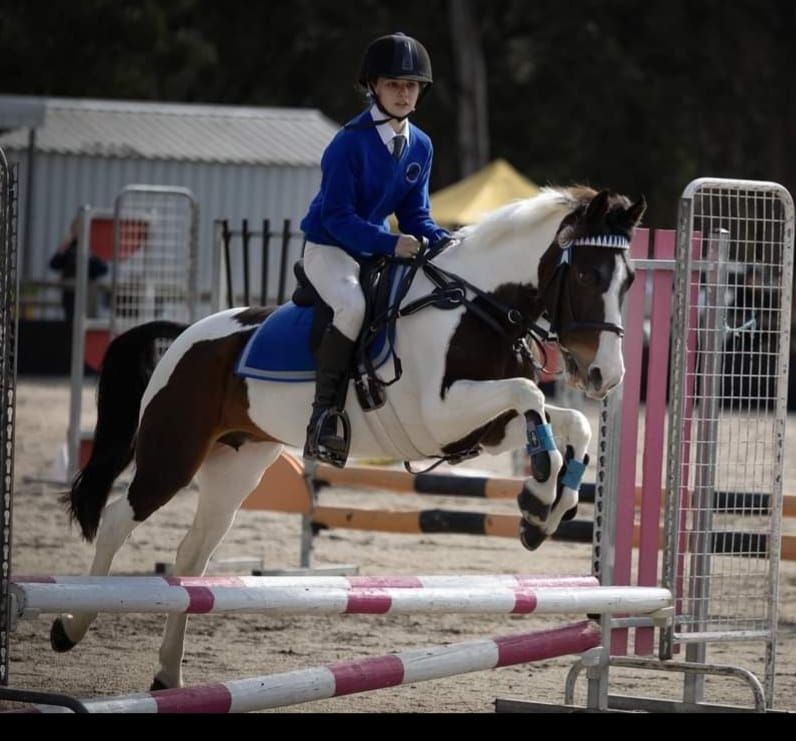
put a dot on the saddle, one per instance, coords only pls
(376, 278)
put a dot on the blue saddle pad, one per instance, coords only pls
(279, 350)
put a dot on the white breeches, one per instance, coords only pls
(335, 276)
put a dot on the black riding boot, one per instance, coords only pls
(334, 362)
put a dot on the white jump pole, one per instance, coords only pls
(350, 677)
(158, 595)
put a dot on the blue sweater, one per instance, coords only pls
(362, 185)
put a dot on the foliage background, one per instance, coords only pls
(638, 96)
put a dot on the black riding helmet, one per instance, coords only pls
(397, 56)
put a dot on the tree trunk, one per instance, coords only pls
(471, 93)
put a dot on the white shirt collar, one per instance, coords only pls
(386, 131)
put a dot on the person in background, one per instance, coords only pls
(65, 261)
(377, 164)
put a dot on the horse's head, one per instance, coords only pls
(583, 278)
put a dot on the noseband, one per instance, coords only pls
(554, 293)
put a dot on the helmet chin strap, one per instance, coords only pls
(379, 122)
(390, 116)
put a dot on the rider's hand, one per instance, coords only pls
(407, 246)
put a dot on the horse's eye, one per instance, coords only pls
(587, 277)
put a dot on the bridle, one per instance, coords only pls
(451, 291)
(553, 295)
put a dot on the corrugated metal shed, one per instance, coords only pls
(186, 133)
(239, 162)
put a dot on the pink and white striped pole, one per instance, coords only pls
(159, 595)
(350, 677)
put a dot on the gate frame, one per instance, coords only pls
(80, 321)
(9, 316)
(609, 500)
(9, 285)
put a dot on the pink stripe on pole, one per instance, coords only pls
(397, 582)
(201, 600)
(211, 698)
(547, 643)
(524, 601)
(368, 602)
(367, 674)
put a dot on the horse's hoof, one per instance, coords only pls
(59, 640)
(157, 685)
(531, 536)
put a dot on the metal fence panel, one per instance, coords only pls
(8, 368)
(729, 389)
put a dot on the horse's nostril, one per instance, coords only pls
(595, 378)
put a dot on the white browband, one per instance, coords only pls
(614, 241)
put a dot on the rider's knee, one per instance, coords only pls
(348, 316)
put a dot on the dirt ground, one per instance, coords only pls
(119, 654)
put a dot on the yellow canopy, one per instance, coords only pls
(468, 200)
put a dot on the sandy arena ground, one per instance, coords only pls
(119, 654)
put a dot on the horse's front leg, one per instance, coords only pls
(573, 435)
(470, 405)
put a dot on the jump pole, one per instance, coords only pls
(282, 488)
(507, 526)
(156, 595)
(285, 488)
(351, 677)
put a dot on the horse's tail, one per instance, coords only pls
(126, 369)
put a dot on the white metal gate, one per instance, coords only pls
(729, 383)
(153, 276)
(155, 256)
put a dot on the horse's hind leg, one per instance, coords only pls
(225, 479)
(115, 527)
(162, 469)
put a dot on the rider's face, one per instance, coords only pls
(398, 97)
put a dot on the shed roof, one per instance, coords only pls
(171, 131)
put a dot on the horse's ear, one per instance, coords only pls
(598, 207)
(636, 211)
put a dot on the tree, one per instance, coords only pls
(473, 125)
(638, 98)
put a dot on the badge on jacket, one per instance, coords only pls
(413, 172)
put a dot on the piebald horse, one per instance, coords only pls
(467, 383)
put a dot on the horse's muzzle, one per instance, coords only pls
(598, 375)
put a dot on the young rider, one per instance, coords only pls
(378, 164)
